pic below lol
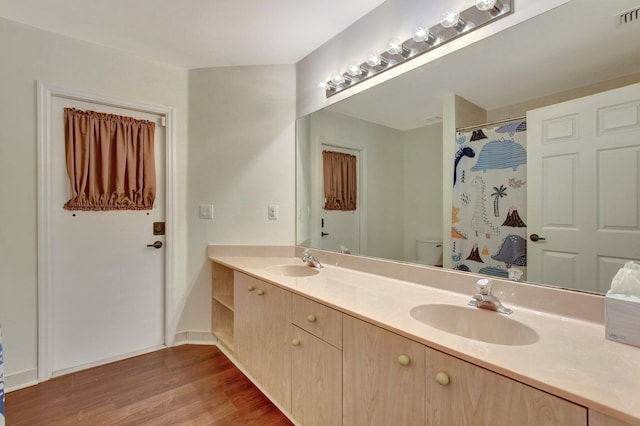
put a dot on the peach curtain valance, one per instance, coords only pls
(110, 161)
(340, 182)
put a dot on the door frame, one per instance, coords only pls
(45, 93)
(317, 191)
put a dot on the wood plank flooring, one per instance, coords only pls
(182, 385)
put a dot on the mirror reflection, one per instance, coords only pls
(455, 119)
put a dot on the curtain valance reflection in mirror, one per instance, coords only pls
(340, 181)
(110, 161)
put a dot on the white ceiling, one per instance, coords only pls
(577, 44)
(197, 33)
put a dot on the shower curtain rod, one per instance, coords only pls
(477, 126)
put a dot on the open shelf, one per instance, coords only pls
(226, 301)
(222, 304)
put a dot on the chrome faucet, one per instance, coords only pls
(484, 299)
(308, 258)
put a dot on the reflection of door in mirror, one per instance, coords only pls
(584, 189)
(340, 228)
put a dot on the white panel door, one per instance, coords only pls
(341, 228)
(107, 294)
(584, 189)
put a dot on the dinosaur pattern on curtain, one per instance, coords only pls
(488, 214)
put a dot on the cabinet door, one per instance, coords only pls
(262, 328)
(383, 376)
(598, 419)
(475, 396)
(316, 380)
(246, 319)
(273, 369)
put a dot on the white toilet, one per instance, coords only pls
(429, 252)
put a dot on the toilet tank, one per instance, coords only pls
(429, 252)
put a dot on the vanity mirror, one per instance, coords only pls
(396, 133)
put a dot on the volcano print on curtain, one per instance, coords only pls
(488, 220)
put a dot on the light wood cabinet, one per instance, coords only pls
(325, 367)
(383, 376)
(262, 330)
(316, 380)
(460, 393)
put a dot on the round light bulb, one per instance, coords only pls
(337, 78)
(354, 70)
(394, 47)
(485, 5)
(323, 85)
(420, 33)
(450, 19)
(373, 59)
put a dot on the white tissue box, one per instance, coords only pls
(622, 319)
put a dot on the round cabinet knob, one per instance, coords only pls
(295, 342)
(311, 318)
(404, 360)
(251, 288)
(260, 292)
(442, 378)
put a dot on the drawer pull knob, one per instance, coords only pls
(442, 378)
(251, 288)
(260, 292)
(295, 342)
(404, 360)
(311, 318)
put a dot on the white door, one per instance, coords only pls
(584, 189)
(107, 292)
(341, 228)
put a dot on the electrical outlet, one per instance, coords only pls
(272, 210)
(206, 211)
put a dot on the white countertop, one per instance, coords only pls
(571, 358)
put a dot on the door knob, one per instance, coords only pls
(323, 234)
(536, 237)
(157, 244)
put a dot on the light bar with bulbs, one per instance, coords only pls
(452, 25)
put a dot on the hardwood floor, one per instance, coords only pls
(188, 385)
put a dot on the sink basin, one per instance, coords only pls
(293, 270)
(477, 324)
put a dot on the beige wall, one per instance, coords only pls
(422, 186)
(241, 159)
(29, 55)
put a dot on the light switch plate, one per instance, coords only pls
(206, 211)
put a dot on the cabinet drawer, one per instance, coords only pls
(318, 319)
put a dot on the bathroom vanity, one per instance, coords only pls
(338, 345)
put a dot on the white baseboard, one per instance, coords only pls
(20, 380)
(195, 338)
(106, 361)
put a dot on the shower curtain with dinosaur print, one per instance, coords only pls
(488, 215)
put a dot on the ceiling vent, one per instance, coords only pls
(629, 16)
